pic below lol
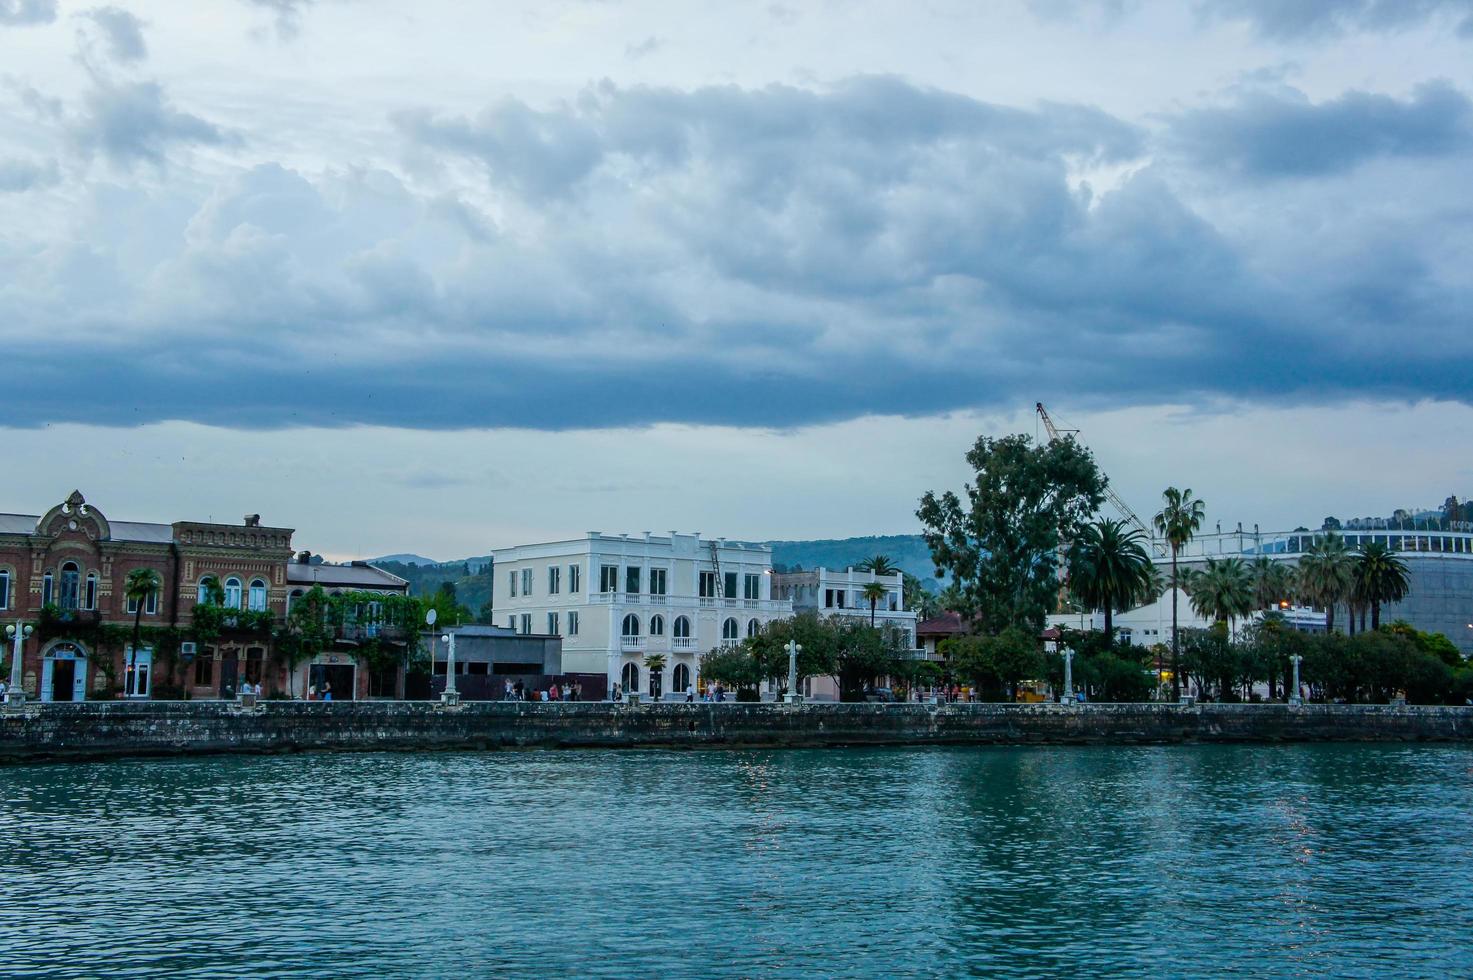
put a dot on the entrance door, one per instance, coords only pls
(229, 673)
(630, 678)
(63, 679)
(136, 676)
(342, 677)
(657, 684)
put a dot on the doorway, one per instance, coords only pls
(630, 678)
(342, 677)
(63, 679)
(229, 675)
(64, 673)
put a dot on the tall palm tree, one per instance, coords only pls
(1109, 569)
(1327, 574)
(654, 663)
(874, 592)
(1178, 520)
(1380, 576)
(1223, 590)
(140, 585)
(1273, 582)
(879, 564)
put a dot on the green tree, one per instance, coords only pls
(736, 668)
(918, 598)
(1326, 574)
(1379, 576)
(1178, 521)
(1273, 582)
(873, 592)
(141, 585)
(1001, 543)
(1223, 591)
(995, 665)
(654, 663)
(1108, 569)
(308, 631)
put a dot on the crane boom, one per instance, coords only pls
(1054, 434)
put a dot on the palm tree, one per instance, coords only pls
(1273, 582)
(140, 585)
(874, 592)
(1178, 520)
(1109, 569)
(1224, 590)
(879, 564)
(654, 663)
(1380, 577)
(1327, 574)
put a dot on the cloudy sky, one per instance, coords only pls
(444, 276)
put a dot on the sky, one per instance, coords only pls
(443, 277)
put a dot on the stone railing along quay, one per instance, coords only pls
(90, 730)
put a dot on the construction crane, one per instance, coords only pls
(1054, 434)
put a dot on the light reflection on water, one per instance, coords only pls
(1180, 861)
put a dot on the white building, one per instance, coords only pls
(831, 593)
(615, 599)
(1151, 624)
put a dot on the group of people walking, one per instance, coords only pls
(566, 691)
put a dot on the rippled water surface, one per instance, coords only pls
(1173, 861)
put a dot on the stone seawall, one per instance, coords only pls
(92, 730)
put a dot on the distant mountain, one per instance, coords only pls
(907, 551)
(404, 559)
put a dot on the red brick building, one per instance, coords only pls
(64, 573)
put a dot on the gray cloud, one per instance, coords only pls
(122, 31)
(643, 49)
(23, 12)
(134, 122)
(773, 256)
(1283, 134)
(22, 175)
(1313, 19)
(287, 15)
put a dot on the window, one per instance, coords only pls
(89, 599)
(46, 589)
(292, 597)
(151, 607)
(682, 677)
(232, 593)
(630, 626)
(751, 586)
(572, 624)
(552, 629)
(255, 659)
(631, 580)
(258, 595)
(753, 627)
(526, 581)
(575, 578)
(682, 628)
(526, 622)
(828, 598)
(729, 629)
(511, 623)
(71, 582)
(657, 626)
(630, 677)
(657, 581)
(730, 589)
(202, 590)
(708, 585)
(511, 584)
(554, 579)
(608, 578)
(136, 672)
(204, 669)
(4, 588)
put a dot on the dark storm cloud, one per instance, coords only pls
(776, 256)
(1288, 20)
(23, 12)
(1286, 135)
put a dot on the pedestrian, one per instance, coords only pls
(690, 693)
(521, 691)
(542, 695)
(509, 693)
(577, 690)
(615, 695)
(312, 693)
(552, 691)
(567, 691)
(327, 690)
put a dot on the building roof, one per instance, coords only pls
(947, 624)
(358, 574)
(121, 530)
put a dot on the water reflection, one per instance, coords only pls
(1345, 860)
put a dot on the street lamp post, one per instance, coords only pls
(1294, 697)
(1068, 674)
(793, 697)
(451, 695)
(19, 633)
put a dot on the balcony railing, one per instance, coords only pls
(704, 602)
(631, 643)
(683, 643)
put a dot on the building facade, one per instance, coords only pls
(619, 600)
(339, 665)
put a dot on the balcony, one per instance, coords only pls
(631, 644)
(683, 643)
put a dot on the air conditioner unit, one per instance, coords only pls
(187, 650)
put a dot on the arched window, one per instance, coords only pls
(89, 597)
(4, 588)
(729, 629)
(47, 593)
(258, 596)
(71, 581)
(630, 677)
(657, 626)
(682, 678)
(631, 625)
(202, 590)
(753, 627)
(292, 597)
(232, 593)
(682, 628)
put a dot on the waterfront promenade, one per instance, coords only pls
(90, 730)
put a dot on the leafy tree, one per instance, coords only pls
(1379, 576)
(1212, 659)
(996, 664)
(1108, 569)
(308, 631)
(1178, 521)
(1273, 582)
(917, 597)
(817, 636)
(1000, 543)
(1326, 574)
(863, 654)
(736, 668)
